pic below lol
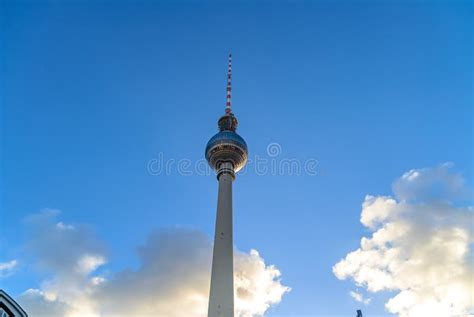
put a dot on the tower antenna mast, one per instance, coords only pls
(228, 105)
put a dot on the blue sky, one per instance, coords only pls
(92, 91)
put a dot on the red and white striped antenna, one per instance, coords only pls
(228, 105)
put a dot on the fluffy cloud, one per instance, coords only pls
(419, 247)
(6, 268)
(172, 279)
(71, 255)
(359, 297)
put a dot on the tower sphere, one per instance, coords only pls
(227, 145)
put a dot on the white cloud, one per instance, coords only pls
(6, 268)
(172, 280)
(89, 263)
(359, 297)
(70, 254)
(63, 226)
(420, 245)
(37, 303)
(257, 285)
(439, 183)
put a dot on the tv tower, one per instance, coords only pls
(226, 153)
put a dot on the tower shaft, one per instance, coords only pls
(221, 299)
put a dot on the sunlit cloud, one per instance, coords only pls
(420, 245)
(172, 280)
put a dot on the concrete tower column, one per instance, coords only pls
(221, 300)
